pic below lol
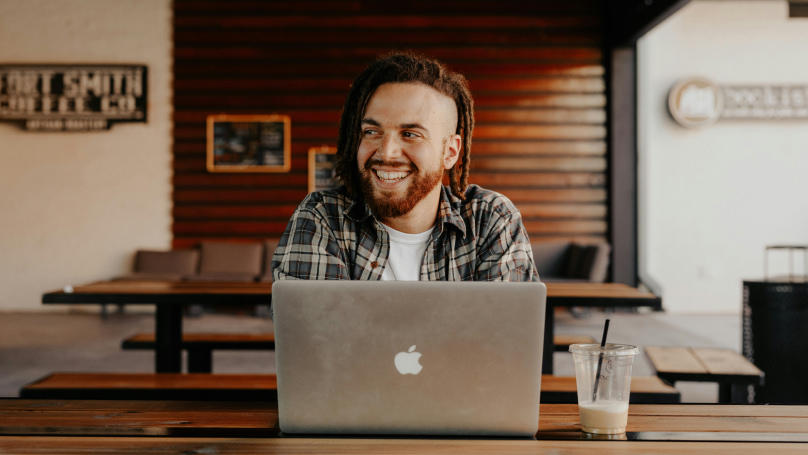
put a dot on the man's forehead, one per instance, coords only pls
(408, 90)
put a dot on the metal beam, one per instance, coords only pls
(628, 20)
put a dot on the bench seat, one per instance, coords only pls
(260, 387)
(200, 346)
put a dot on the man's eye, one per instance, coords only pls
(369, 132)
(409, 134)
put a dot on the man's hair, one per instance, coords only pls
(403, 68)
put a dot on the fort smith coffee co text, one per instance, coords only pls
(72, 97)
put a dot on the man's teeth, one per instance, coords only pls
(391, 176)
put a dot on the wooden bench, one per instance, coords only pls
(561, 343)
(200, 346)
(260, 387)
(730, 370)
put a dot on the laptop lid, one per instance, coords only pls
(429, 358)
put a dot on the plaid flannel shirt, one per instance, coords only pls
(334, 237)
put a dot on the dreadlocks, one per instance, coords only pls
(403, 68)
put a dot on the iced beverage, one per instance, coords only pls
(606, 417)
(603, 378)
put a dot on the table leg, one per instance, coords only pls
(200, 360)
(547, 356)
(168, 339)
(724, 393)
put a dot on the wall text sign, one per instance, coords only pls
(698, 102)
(72, 97)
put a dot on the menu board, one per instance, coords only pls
(321, 168)
(249, 143)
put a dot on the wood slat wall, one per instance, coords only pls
(535, 69)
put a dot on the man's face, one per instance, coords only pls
(408, 140)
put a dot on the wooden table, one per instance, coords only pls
(169, 298)
(162, 427)
(730, 370)
(607, 295)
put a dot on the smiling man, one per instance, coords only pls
(407, 123)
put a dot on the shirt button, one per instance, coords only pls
(374, 264)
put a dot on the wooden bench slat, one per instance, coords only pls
(639, 384)
(725, 361)
(674, 360)
(212, 338)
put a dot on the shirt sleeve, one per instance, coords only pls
(308, 249)
(504, 253)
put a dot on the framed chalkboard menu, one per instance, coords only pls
(249, 143)
(321, 168)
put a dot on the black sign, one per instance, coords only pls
(72, 97)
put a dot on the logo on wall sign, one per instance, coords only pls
(695, 103)
(698, 102)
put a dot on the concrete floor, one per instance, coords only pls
(33, 345)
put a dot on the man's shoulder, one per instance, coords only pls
(480, 199)
(326, 202)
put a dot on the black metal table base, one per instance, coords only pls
(168, 339)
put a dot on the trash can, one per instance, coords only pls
(775, 334)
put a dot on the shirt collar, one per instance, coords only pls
(448, 211)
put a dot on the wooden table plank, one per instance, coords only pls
(661, 423)
(725, 361)
(602, 290)
(164, 287)
(554, 290)
(157, 381)
(706, 410)
(227, 446)
(181, 418)
(674, 360)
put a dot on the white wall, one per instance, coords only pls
(712, 199)
(75, 206)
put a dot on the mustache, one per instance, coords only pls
(394, 164)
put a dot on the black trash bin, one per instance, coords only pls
(775, 336)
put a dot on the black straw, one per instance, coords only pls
(600, 361)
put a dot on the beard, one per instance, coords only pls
(384, 204)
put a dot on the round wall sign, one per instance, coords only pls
(695, 102)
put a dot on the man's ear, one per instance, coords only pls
(452, 152)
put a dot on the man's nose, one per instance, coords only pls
(390, 148)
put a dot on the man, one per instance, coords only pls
(406, 123)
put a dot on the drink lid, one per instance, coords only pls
(611, 349)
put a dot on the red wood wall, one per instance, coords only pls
(535, 70)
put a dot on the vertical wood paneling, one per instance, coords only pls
(535, 70)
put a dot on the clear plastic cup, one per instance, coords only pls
(603, 400)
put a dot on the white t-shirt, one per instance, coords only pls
(406, 254)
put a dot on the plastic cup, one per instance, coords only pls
(603, 410)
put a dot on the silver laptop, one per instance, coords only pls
(427, 358)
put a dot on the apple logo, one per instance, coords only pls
(407, 362)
